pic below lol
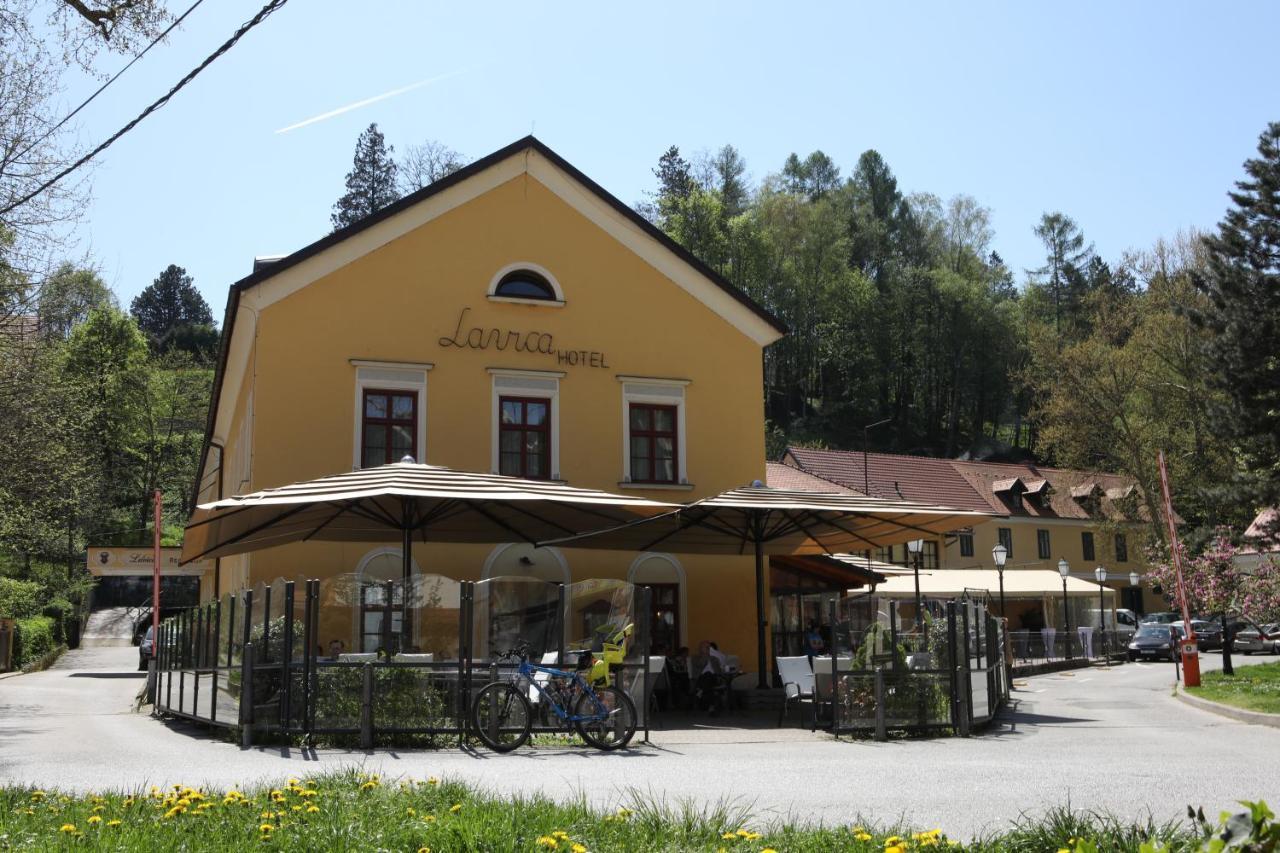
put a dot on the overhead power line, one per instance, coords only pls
(262, 15)
(114, 77)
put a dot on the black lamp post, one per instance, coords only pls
(916, 547)
(1000, 554)
(1064, 569)
(1101, 574)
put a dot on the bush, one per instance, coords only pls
(19, 599)
(33, 639)
(61, 612)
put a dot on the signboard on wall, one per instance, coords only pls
(110, 561)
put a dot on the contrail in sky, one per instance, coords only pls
(358, 104)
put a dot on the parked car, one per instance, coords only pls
(1156, 641)
(1258, 639)
(146, 648)
(1161, 618)
(1208, 634)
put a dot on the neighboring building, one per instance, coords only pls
(512, 318)
(1089, 519)
(1261, 539)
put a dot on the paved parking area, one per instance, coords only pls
(1113, 739)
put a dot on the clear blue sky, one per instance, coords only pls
(1132, 118)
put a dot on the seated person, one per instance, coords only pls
(711, 666)
(813, 642)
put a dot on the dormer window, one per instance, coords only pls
(525, 283)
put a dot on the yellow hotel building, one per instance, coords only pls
(512, 318)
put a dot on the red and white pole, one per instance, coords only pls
(1190, 652)
(155, 578)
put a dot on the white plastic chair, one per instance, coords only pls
(797, 683)
(414, 657)
(542, 678)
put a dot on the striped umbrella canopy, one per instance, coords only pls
(779, 521)
(407, 501)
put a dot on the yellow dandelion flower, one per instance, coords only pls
(409, 811)
(174, 812)
(266, 827)
(729, 836)
(896, 848)
(455, 808)
(291, 781)
(95, 819)
(37, 796)
(862, 836)
(892, 840)
(308, 792)
(428, 818)
(768, 850)
(548, 842)
(68, 828)
(297, 808)
(368, 785)
(1063, 850)
(424, 850)
(624, 813)
(431, 780)
(312, 809)
(116, 822)
(560, 834)
(582, 848)
(128, 801)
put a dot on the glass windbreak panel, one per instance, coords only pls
(509, 610)
(338, 626)
(596, 610)
(434, 611)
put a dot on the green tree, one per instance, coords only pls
(1065, 254)
(371, 183)
(172, 313)
(68, 296)
(1242, 285)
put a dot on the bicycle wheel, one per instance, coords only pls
(500, 717)
(616, 725)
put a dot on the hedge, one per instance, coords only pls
(19, 599)
(33, 639)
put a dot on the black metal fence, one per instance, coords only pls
(945, 672)
(346, 657)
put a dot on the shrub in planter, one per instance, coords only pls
(909, 697)
(403, 698)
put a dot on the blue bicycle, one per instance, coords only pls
(502, 716)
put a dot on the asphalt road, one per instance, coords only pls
(1112, 740)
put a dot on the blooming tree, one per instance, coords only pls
(1217, 581)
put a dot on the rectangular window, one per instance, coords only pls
(1006, 539)
(524, 437)
(1042, 544)
(966, 543)
(653, 443)
(1122, 549)
(1086, 544)
(929, 559)
(389, 427)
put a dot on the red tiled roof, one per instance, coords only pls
(915, 478)
(1006, 484)
(1263, 527)
(779, 476)
(968, 485)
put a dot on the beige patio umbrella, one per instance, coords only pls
(407, 501)
(779, 521)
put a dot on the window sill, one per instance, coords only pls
(669, 487)
(516, 300)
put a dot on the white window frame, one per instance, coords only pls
(492, 292)
(391, 376)
(660, 392)
(510, 382)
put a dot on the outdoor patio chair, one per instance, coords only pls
(823, 695)
(797, 683)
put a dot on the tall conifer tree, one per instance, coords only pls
(1243, 286)
(371, 183)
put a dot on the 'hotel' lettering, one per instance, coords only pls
(476, 337)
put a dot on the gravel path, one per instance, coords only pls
(1100, 739)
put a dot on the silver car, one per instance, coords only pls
(1258, 640)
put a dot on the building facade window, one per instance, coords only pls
(653, 423)
(966, 543)
(524, 437)
(1006, 539)
(526, 423)
(929, 557)
(526, 282)
(654, 443)
(1042, 544)
(1122, 549)
(390, 412)
(1086, 544)
(389, 429)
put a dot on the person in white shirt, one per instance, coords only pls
(710, 665)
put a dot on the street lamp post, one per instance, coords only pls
(1000, 554)
(916, 547)
(1101, 574)
(1064, 569)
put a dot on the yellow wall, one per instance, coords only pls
(397, 303)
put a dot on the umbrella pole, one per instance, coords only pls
(406, 572)
(760, 623)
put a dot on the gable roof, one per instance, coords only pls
(972, 485)
(263, 272)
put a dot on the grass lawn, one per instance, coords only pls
(353, 812)
(1254, 688)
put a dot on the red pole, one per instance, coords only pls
(155, 577)
(1190, 655)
